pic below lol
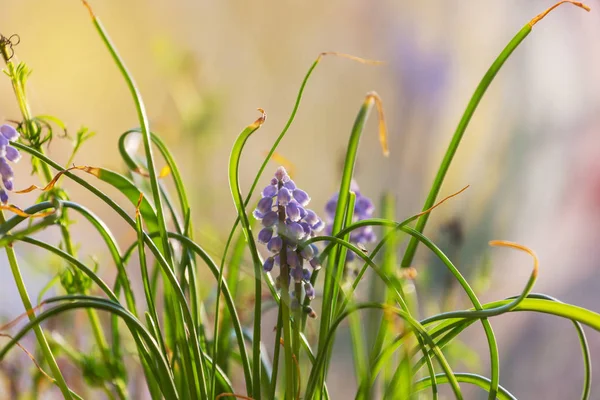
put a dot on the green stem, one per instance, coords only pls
(46, 176)
(458, 134)
(43, 343)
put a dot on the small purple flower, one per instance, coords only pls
(293, 211)
(301, 197)
(264, 205)
(7, 153)
(284, 196)
(269, 219)
(286, 225)
(268, 265)
(265, 235)
(275, 245)
(309, 290)
(269, 191)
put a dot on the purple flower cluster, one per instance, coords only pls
(286, 224)
(363, 209)
(7, 153)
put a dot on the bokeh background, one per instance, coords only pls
(531, 153)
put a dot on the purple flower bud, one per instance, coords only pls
(311, 218)
(307, 228)
(275, 244)
(283, 197)
(307, 253)
(309, 290)
(268, 220)
(264, 205)
(265, 235)
(302, 212)
(301, 197)
(274, 181)
(257, 214)
(293, 211)
(306, 274)
(8, 184)
(318, 227)
(268, 265)
(9, 132)
(269, 191)
(315, 264)
(12, 154)
(292, 258)
(297, 274)
(3, 141)
(295, 231)
(5, 169)
(290, 185)
(282, 175)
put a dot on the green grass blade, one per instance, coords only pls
(234, 185)
(464, 122)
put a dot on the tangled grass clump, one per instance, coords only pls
(169, 331)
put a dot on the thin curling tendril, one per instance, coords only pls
(517, 246)
(31, 357)
(539, 17)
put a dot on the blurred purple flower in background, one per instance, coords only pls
(7, 153)
(286, 224)
(363, 209)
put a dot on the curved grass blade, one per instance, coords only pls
(464, 122)
(234, 185)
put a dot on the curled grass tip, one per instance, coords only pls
(350, 57)
(283, 161)
(31, 357)
(374, 97)
(261, 120)
(89, 8)
(442, 201)
(517, 246)
(539, 17)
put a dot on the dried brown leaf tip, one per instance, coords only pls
(89, 8)
(517, 246)
(90, 170)
(261, 119)
(21, 213)
(539, 17)
(349, 57)
(373, 97)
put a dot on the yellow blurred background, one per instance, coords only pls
(530, 153)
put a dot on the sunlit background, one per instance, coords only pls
(531, 153)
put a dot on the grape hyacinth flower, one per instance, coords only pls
(7, 153)
(287, 223)
(363, 209)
